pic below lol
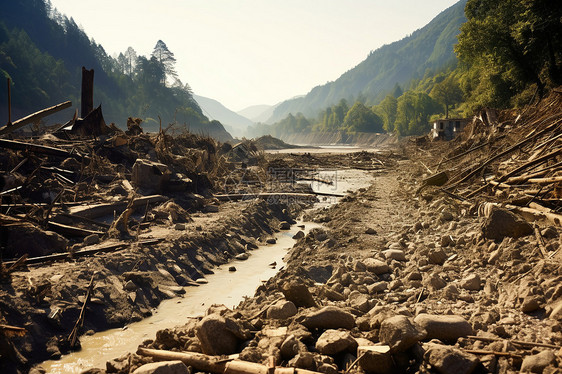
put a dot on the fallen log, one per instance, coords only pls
(545, 180)
(34, 117)
(212, 364)
(68, 230)
(36, 148)
(104, 209)
(531, 163)
(82, 253)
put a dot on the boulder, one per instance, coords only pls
(335, 341)
(443, 327)
(537, 363)
(375, 359)
(163, 367)
(437, 257)
(500, 223)
(399, 333)
(296, 291)
(242, 256)
(150, 176)
(449, 360)
(219, 335)
(284, 225)
(298, 235)
(289, 348)
(329, 317)
(375, 266)
(395, 254)
(282, 309)
(471, 282)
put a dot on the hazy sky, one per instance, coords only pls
(248, 52)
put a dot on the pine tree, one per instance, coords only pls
(166, 58)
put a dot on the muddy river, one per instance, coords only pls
(223, 287)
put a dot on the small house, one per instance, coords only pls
(448, 128)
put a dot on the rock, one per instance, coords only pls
(335, 341)
(332, 295)
(298, 235)
(180, 227)
(550, 233)
(395, 254)
(434, 282)
(296, 291)
(304, 360)
(537, 363)
(271, 241)
(282, 309)
(471, 283)
(399, 333)
(289, 348)
(449, 360)
(329, 317)
(211, 209)
(219, 335)
(437, 257)
(242, 256)
(377, 287)
(446, 240)
(91, 239)
(375, 359)
(130, 286)
(284, 225)
(150, 176)
(443, 327)
(360, 302)
(163, 367)
(555, 310)
(500, 223)
(530, 304)
(446, 216)
(375, 266)
(371, 231)
(232, 268)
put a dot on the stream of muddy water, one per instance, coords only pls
(223, 287)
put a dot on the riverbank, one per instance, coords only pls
(395, 282)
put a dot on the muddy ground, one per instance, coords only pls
(396, 281)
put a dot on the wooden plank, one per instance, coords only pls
(104, 209)
(34, 117)
(67, 230)
(36, 148)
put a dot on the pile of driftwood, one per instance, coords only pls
(513, 158)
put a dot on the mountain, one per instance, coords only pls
(42, 53)
(426, 49)
(257, 113)
(234, 122)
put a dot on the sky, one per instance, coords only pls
(251, 52)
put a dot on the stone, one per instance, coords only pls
(399, 333)
(360, 302)
(500, 223)
(282, 309)
(375, 359)
(329, 317)
(375, 266)
(371, 231)
(91, 239)
(443, 327)
(298, 235)
(219, 335)
(211, 209)
(537, 363)
(446, 216)
(289, 348)
(151, 176)
(163, 367)
(471, 282)
(232, 268)
(335, 341)
(284, 225)
(296, 291)
(437, 257)
(530, 304)
(180, 226)
(377, 287)
(434, 282)
(303, 360)
(271, 241)
(395, 254)
(242, 256)
(446, 240)
(130, 286)
(449, 360)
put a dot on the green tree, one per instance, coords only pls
(513, 44)
(447, 92)
(387, 109)
(362, 119)
(413, 112)
(166, 58)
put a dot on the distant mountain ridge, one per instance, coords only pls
(430, 47)
(257, 113)
(234, 122)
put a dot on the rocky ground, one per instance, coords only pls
(395, 282)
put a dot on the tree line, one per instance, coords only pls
(509, 53)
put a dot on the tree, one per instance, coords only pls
(362, 119)
(514, 44)
(414, 110)
(166, 58)
(131, 58)
(447, 92)
(387, 109)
